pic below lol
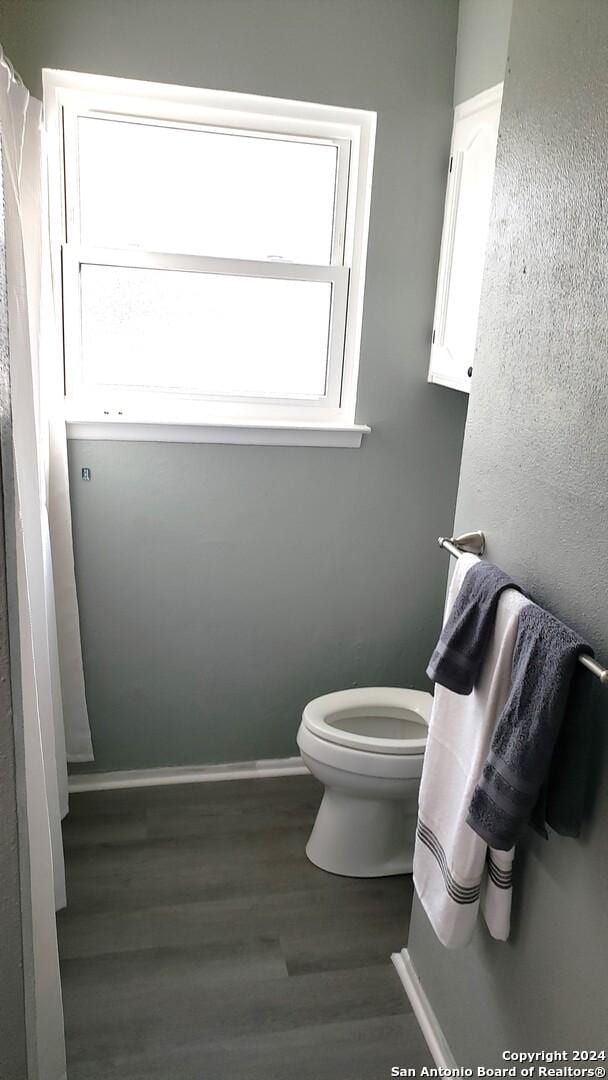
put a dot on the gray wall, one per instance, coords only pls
(534, 477)
(483, 40)
(223, 587)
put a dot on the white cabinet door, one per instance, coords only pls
(463, 242)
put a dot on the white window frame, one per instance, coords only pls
(133, 414)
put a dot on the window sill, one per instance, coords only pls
(287, 433)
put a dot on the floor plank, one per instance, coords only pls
(199, 942)
(347, 1050)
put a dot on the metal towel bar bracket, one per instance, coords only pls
(475, 544)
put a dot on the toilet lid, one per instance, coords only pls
(381, 720)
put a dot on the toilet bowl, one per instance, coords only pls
(366, 746)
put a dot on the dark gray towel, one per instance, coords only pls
(564, 799)
(522, 746)
(460, 652)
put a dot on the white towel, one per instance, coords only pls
(454, 871)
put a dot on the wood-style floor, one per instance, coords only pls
(200, 944)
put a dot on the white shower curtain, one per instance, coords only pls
(56, 499)
(48, 589)
(45, 766)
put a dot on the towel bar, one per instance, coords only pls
(475, 544)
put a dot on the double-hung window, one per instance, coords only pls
(210, 249)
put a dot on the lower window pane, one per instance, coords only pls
(204, 333)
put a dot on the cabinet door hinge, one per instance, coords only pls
(433, 338)
(451, 163)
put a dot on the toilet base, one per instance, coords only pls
(362, 837)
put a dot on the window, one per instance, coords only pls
(211, 253)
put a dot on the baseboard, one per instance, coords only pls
(186, 774)
(423, 1011)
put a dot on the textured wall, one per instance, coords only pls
(222, 587)
(534, 477)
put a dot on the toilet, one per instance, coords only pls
(366, 747)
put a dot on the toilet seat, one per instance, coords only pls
(377, 714)
(358, 763)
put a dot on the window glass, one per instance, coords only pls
(205, 333)
(189, 191)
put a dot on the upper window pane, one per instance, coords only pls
(193, 191)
